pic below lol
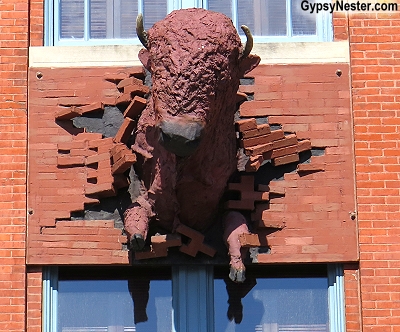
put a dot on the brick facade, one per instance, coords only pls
(372, 285)
(13, 116)
(375, 51)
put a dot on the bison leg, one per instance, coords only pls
(136, 223)
(235, 225)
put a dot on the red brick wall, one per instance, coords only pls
(13, 89)
(375, 61)
(34, 299)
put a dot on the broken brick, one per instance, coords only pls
(125, 131)
(135, 108)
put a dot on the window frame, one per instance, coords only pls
(324, 31)
(193, 287)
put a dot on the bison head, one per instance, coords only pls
(196, 59)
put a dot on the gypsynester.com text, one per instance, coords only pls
(340, 5)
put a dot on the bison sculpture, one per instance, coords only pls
(185, 137)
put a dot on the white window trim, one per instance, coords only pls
(193, 288)
(52, 26)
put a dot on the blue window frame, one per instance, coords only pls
(112, 22)
(194, 298)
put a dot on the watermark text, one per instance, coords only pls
(340, 5)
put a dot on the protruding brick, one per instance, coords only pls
(249, 240)
(286, 159)
(104, 189)
(97, 106)
(246, 124)
(303, 145)
(259, 131)
(258, 149)
(135, 108)
(287, 141)
(310, 168)
(68, 113)
(123, 164)
(125, 131)
(129, 81)
(136, 89)
(67, 160)
(280, 152)
(195, 243)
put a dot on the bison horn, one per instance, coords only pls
(249, 44)
(141, 32)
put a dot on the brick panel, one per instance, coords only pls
(69, 168)
(312, 104)
(375, 51)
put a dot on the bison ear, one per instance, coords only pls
(144, 57)
(248, 63)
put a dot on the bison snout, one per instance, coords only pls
(181, 139)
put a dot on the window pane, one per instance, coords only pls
(72, 18)
(113, 18)
(263, 17)
(221, 6)
(129, 12)
(106, 305)
(153, 11)
(273, 305)
(99, 19)
(303, 23)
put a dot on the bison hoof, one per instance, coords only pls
(137, 242)
(237, 275)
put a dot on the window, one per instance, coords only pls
(194, 298)
(101, 22)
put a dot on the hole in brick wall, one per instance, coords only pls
(339, 73)
(92, 180)
(262, 120)
(247, 81)
(39, 75)
(317, 151)
(77, 215)
(64, 151)
(250, 96)
(275, 126)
